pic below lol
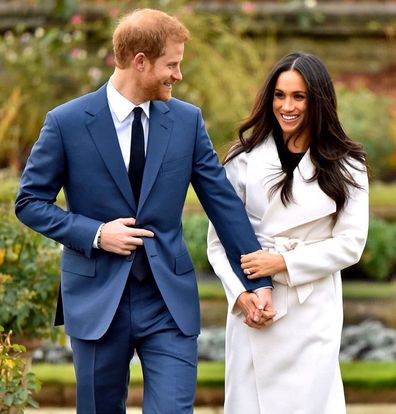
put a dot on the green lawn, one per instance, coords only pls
(382, 194)
(209, 373)
(351, 290)
(365, 374)
(369, 290)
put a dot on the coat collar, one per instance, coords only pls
(262, 168)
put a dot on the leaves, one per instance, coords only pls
(29, 278)
(16, 384)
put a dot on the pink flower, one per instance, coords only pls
(75, 53)
(109, 60)
(76, 19)
(114, 12)
(248, 7)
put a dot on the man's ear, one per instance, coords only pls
(139, 61)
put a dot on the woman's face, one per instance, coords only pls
(290, 102)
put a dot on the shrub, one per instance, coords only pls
(378, 260)
(54, 64)
(366, 117)
(29, 278)
(16, 384)
(195, 228)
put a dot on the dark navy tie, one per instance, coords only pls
(140, 267)
(137, 155)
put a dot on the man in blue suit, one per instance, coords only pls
(125, 156)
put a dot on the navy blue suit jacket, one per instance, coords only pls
(78, 151)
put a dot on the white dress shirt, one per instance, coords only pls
(121, 110)
(122, 113)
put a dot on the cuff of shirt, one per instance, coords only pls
(263, 287)
(95, 242)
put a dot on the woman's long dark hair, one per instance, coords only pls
(330, 148)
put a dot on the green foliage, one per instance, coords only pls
(366, 118)
(16, 383)
(379, 260)
(195, 228)
(42, 69)
(222, 71)
(29, 278)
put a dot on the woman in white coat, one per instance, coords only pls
(305, 187)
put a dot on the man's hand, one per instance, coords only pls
(257, 308)
(117, 237)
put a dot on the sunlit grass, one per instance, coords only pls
(369, 290)
(365, 374)
(383, 194)
(213, 290)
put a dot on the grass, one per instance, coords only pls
(382, 194)
(369, 290)
(362, 374)
(209, 374)
(213, 290)
(369, 374)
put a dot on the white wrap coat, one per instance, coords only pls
(292, 366)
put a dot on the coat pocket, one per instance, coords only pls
(183, 263)
(79, 265)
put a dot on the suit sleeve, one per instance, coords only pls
(40, 184)
(310, 262)
(223, 206)
(236, 170)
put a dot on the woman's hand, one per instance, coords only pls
(257, 308)
(261, 263)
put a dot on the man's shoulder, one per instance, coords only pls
(78, 103)
(179, 105)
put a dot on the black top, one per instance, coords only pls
(288, 159)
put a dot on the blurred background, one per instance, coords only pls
(54, 50)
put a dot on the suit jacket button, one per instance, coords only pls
(129, 258)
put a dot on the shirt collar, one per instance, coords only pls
(121, 106)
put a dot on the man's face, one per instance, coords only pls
(160, 74)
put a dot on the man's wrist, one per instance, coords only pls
(98, 238)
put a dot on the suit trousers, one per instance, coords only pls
(143, 324)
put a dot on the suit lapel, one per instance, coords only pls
(160, 127)
(101, 127)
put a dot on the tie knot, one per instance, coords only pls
(137, 112)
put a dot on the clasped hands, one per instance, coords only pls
(257, 306)
(120, 237)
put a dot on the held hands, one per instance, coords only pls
(261, 263)
(257, 308)
(117, 237)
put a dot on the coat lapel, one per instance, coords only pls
(101, 127)
(310, 202)
(160, 128)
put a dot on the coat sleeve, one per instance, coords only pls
(310, 262)
(223, 206)
(40, 184)
(236, 173)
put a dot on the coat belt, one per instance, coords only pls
(279, 245)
